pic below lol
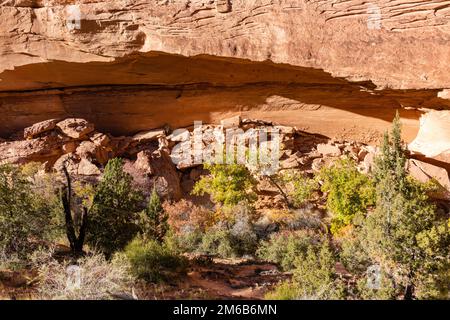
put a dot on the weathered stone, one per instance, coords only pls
(329, 150)
(146, 136)
(317, 164)
(180, 135)
(41, 149)
(223, 6)
(39, 128)
(70, 147)
(285, 130)
(233, 122)
(423, 172)
(143, 163)
(91, 151)
(100, 139)
(70, 161)
(368, 163)
(75, 128)
(158, 167)
(362, 154)
(434, 134)
(87, 168)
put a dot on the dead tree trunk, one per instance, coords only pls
(76, 242)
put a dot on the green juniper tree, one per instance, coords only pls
(405, 235)
(154, 223)
(114, 210)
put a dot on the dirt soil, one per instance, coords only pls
(223, 279)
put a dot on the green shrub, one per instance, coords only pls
(114, 212)
(314, 277)
(228, 184)
(349, 192)
(283, 248)
(218, 241)
(153, 220)
(232, 238)
(243, 237)
(300, 188)
(186, 242)
(152, 261)
(25, 218)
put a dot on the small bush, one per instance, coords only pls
(218, 241)
(25, 218)
(184, 217)
(243, 236)
(314, 278)
(152, 261)
(307, 217)
(232, 237)
(300, 188)
(189, 241)
(90, 278)
(228, 184)
(153, 220)
(283, 248)
(349, 192)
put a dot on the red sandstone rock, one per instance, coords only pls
(75, 128)
(39, 128)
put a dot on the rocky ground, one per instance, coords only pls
(206, 278)
(150, 155)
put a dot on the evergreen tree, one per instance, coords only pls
(405, 235)
(154, 223)
(114, 211)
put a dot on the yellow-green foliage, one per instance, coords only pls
(228, 184)
(300, 188)
(24, 216)
(349, 192)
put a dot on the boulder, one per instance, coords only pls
(70, 161)
(70, 147)
(156, 169)
(143, 163)
(368, 163)
(233, 122)
(75, 128)
(167, 179)
(362, 154)
(329, 150)
(38, 128)
(100, 139)
(423, 172)
(180, 135)
(434, 134)
(87, 168)
(285, 130)
(48, 148)
(317, 164)
(146, 136)
(91, 151)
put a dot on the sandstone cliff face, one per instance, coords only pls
(130, 65)
(400, 44)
